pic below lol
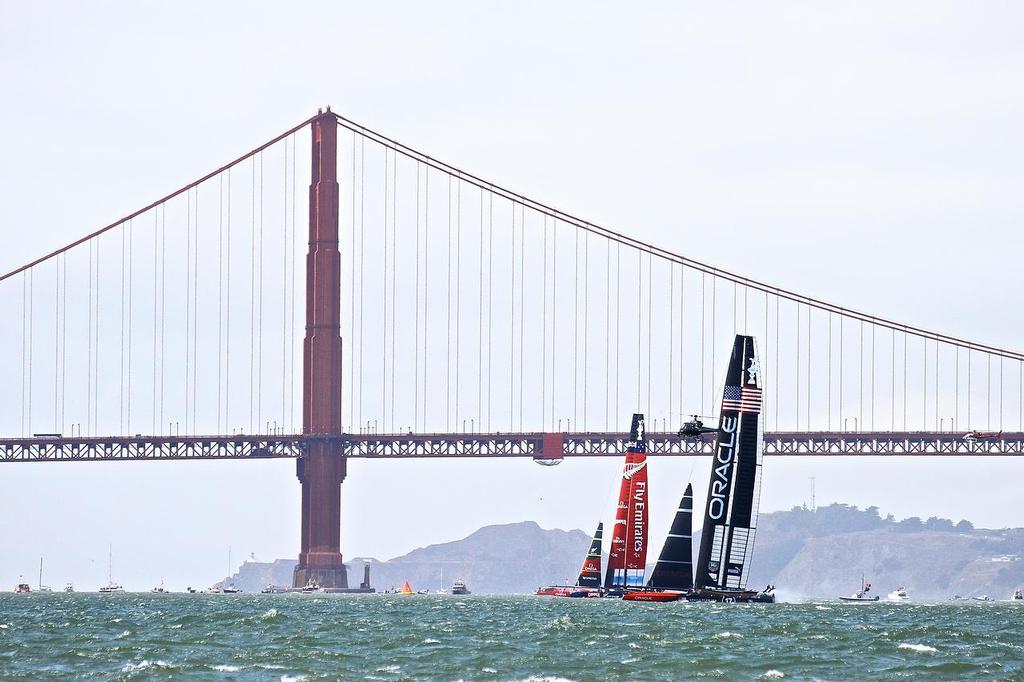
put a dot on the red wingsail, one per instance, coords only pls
(636, 522)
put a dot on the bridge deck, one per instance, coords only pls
(550, 446)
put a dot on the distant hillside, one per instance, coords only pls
(805, 553)
(509, 558)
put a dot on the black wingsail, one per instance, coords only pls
(674, 570)
(731, 515)
(590, 574)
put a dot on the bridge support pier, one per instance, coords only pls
(322, 468)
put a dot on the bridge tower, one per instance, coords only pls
(322, 468)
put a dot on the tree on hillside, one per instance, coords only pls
(910, 525)
(965, 526)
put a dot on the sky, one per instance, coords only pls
(867, 154)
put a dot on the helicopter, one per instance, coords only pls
(695, 427)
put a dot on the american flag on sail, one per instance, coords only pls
(747, 400)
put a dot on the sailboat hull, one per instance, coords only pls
(730, 596)
(654, 596)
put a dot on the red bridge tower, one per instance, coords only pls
(322, 469)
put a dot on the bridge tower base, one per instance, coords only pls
(322, 468)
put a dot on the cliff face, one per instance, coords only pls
(819, 553)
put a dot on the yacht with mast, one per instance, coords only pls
(730, 517)
(42, 587)
(111, 586)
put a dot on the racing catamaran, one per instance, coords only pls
(672, 577)
(627, 558)
(588, 584)
(730, 519)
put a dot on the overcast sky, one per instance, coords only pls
(868, 154)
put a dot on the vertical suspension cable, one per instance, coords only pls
(607, 334)
(293, 322)
(512, 324)
(480, 316)
(448, 317)
(798, 364)
(259, 318)
(671, 337)
(714, 336)
(353, 425)
(128, 417)
(575, 323)
(650, 334)
(416, 337)
(220, 294)
(554, 318)
(252, 296)
(284, 293)
(490, 306)
(905, 363)
(24, 351)
(384, 296)
(544, 327)
(163, 305)
(828, 366)
(586, 324)
(394, 270)
(188, 302)
(88, 371)
(56, 347)
(703, 356)
(809, 335)
(458, 294)
(682, 315)
(618, 317)
(522, 305)
(362, 264)
(121, 304)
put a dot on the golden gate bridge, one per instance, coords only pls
(477, 323)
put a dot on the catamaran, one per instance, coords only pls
(730, 519)
(629, 537)
(588, 584)
(672, 577)
(627, 558)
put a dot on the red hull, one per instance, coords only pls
(566, 591)
(652, 596)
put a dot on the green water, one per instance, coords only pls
(368, 637)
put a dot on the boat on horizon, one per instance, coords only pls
(111, 587)
(899, 594)
(862, 595)
(42, 587)
(22, 588)
(69, 588)
(459, 587)
(406, 588)
(1018, 596)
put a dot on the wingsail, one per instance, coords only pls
(674, 570)
(731, 514)
(628, 555)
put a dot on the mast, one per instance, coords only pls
(733, 491)
(110, 564)
(40, 573)
(674, 570)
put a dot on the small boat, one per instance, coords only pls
(899, 594)
(69, 588)
(42, 587)
(587, 584)
(459, 587)
(191, 590)
(310, 587)
(983, 597)
(22, 587)
(406, 588)
(159, 589)
(1018, 596)
(230, 589)
(111, 586)
(861, 596)
(424, 591)
(213, 589)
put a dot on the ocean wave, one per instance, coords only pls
(270, 614)
(226, 668)
(920, 648)
(728, 635)
(773, 675)
(431, 640)
(145, 665)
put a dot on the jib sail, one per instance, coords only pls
(628, 553)
(731, 515)
(674, 570)
(590, 574)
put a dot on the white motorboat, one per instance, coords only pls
(1018, 596)
(899, 594)
(69, 588)
(861, 596)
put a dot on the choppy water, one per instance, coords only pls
(282, 637)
